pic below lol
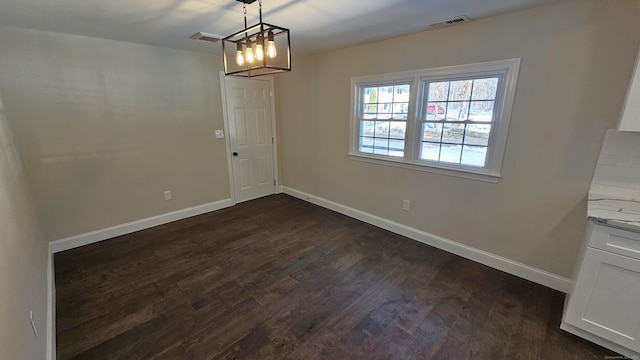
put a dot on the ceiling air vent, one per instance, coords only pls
(449, 22)
(206, 37)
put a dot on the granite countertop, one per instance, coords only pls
(612, 211)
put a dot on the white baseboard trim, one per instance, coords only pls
(118, 230)
(509, 266)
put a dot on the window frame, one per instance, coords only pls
(358, 111)
(506, 70)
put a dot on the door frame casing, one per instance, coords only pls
(274, 147)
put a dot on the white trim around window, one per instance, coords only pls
(451, 120)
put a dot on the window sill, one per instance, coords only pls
(465, 174)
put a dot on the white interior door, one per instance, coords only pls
(249, 117)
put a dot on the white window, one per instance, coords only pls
(383, 119)
(451, 120)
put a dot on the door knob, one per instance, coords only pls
(235, 153)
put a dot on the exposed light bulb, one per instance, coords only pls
(249, 53)
(259, 52)
(240, 58)
(239, 55)
(260, 47)
(271, 45)
(271, 49)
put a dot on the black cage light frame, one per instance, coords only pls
(258, 33)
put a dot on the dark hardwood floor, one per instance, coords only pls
(279, 278)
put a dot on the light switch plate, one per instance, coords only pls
(219, 134)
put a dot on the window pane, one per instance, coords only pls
(396, 147)
(436, 110)
(452, 101)
(400, 110)
(401, 93)
(460, 90)
(450, 153)
(477, 135)
(382, 129)
(381, 146)
(485, 89)
(430, 151)
(369, 111)
(370, 95)
(397, 130)
(431, 132)
(481, 111)
(457, 110)
(453, 133)
(384, 111)
(438, 91)
(474, 155)
(385, 102)
(366, 144)
(366, 128)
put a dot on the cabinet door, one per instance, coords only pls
(606, 298)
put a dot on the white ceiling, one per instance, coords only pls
(316, 25)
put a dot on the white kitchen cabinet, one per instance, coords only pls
(630, 116)
(604, 304)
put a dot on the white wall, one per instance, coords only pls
(577, 57)
(23, 258)
(105, 127)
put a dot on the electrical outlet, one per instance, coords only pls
(219, 134)
(167, 195)
(34, 326)
(406, 205)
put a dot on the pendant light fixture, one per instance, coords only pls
(245, 53)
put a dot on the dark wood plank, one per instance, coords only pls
(280, 278)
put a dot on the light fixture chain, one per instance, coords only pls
(244, 10)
